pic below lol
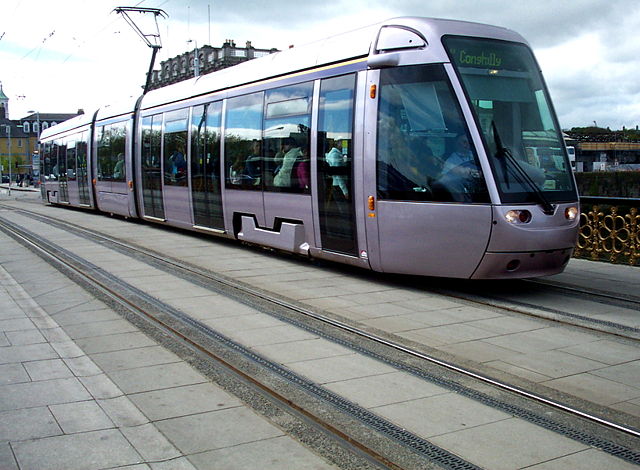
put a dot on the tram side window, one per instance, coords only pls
(111, 151)
(242, 142)
(335, 147)
(286, 138)
(175, 147)
(205, 146)
(81, 156)
(424, 151)
(151, 166)
(61, 165)
(48, 162)
(71, 158)
(205, 164)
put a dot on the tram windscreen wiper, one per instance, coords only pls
(504, 154)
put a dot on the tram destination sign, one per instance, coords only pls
(486, 54)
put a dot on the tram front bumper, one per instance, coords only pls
(516, 265)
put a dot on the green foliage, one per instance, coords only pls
(609, 184)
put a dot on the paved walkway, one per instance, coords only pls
(81, 388)
(60, 410)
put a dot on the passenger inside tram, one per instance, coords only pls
(424, 151)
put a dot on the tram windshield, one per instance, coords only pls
(512, 106)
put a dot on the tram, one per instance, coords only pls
(416, 146)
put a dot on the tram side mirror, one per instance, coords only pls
(393, 38)
(390, 40)
(379, 61)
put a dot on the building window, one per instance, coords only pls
(25, 127)
(45, 125)
(36, 129)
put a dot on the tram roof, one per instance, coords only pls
(334, 49)
(69, 124)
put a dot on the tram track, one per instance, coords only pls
(181, 327)
(555, 423)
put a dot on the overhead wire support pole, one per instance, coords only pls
(151, 39)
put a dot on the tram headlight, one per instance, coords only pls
(571, 213)
(518, 217)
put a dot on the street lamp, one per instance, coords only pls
(37, 150)
(8, 128)
(196, 59)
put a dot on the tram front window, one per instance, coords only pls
(423, 146)
(512, 106)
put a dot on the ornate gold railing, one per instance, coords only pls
(609, 230)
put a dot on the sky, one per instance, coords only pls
(57, 56)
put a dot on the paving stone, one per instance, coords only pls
(29, 352)
(101, 328)
(518, 371)
(182, 401)
(606, 351)
(101, 386)
(117, 342)
(67, 349)
(216, 429)
(16, 324)
(543, 339)
(440, 414)
(270, 454)
(385, 389)
(82, 366)
(553, 363)
(84, 451)
(150, 443)
(47, 369)
(628, 373)
(181, 463)
(85, 313)
(491, 446)
(30, 423)
(55, 335)
(155, 377)
(23, 337)
(13, 373)
(81, 417)
(134, 358)
(595, 389)
(47, 392)
(296, 351)
(122, 412)
(274, 335)
(589, 459)
(335, 369)
(7, 460)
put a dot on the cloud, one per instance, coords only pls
(81, 54)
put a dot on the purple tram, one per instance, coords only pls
(417, 146)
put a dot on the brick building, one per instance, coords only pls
(210, 58)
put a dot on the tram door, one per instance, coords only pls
(418, 219)
(206, 191)
(151, 168)
(84, 195)
(177, 203)
(63, 194)
(335, 165)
